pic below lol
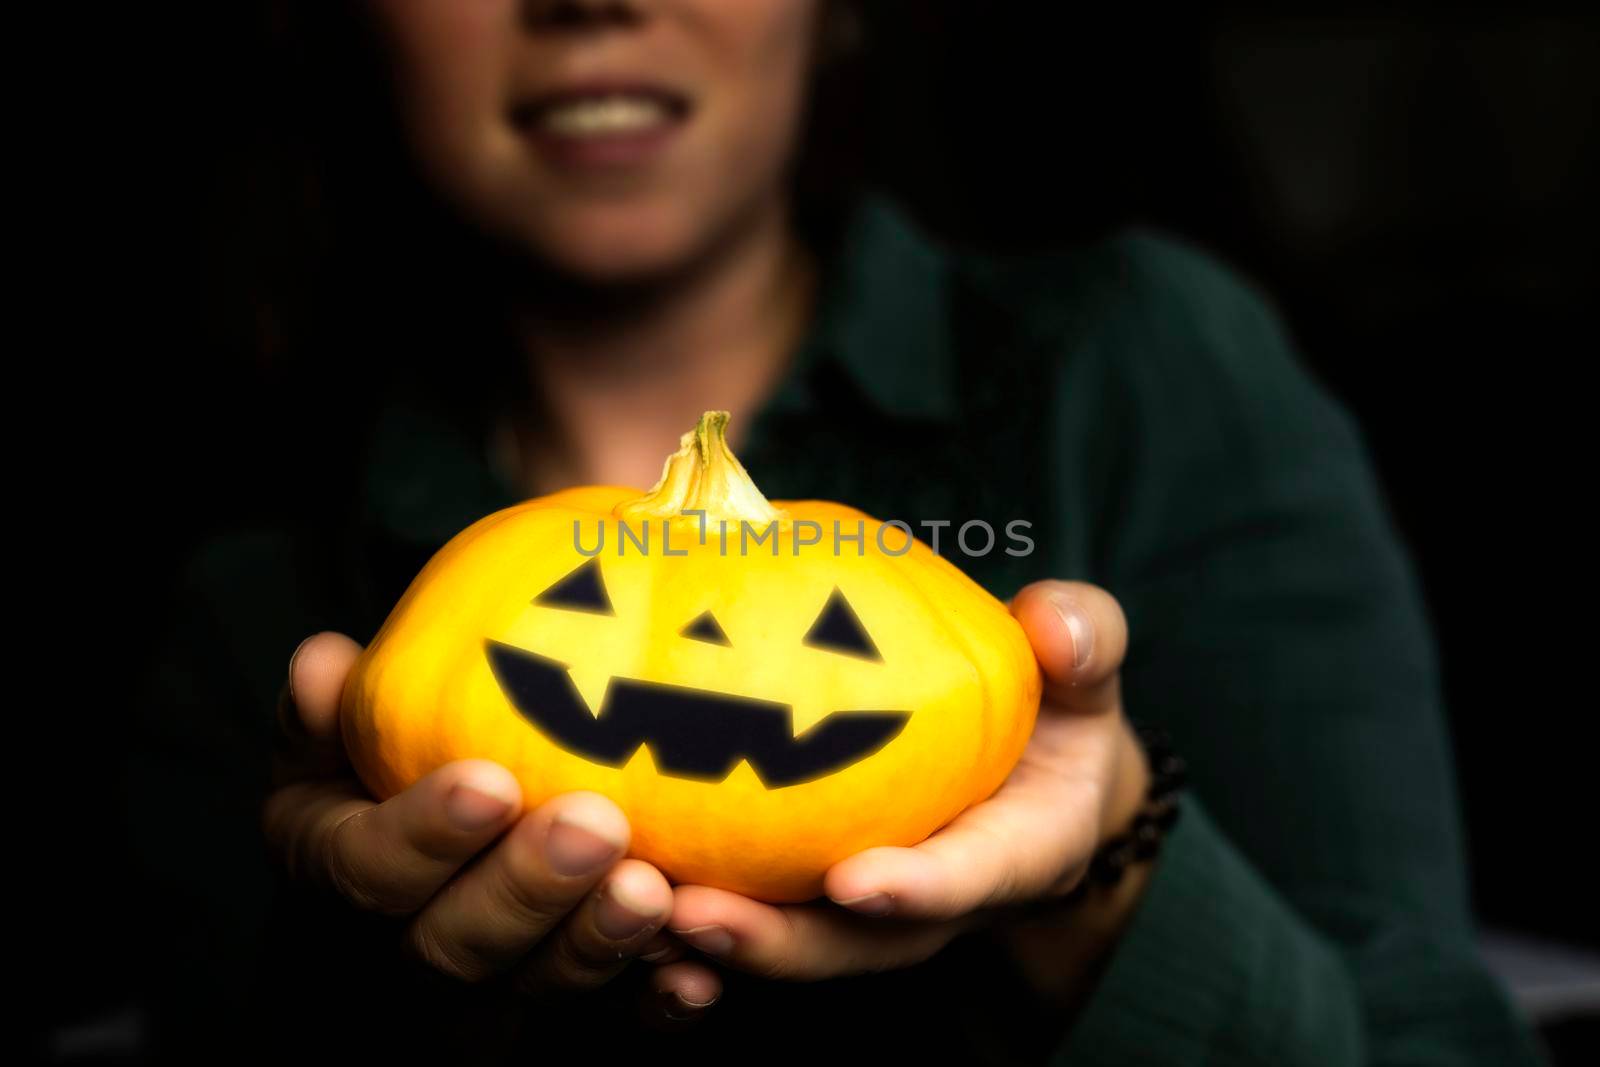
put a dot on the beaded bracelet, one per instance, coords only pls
(1156, 816)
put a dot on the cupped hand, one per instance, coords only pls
(480, 889)
(1081, 779)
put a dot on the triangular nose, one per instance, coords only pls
(704, 627)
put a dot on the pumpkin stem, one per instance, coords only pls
(704, 475)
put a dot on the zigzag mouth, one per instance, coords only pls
(692, 733)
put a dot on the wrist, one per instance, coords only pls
(1061, 950)
(1061, 946)
(1130, 783)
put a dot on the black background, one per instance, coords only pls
(1415, 189)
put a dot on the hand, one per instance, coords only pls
(480, 888)
(1081, 779)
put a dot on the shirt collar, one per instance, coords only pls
(881, 317)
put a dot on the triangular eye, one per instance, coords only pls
(580, 590)
(838, 629)
(704, 628)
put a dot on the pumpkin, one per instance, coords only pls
(761, 698)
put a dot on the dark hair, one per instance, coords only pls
(831, 167)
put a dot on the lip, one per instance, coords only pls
(601, 151)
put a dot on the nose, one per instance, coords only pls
(573, 14)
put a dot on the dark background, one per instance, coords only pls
(1415, 190)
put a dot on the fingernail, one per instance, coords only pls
(712, 940)
(1078, 625)
(658, 954)
(471, 809)
(680, 1008)
(874, 904)
(576, 847)
(294, 656)
(618, 916)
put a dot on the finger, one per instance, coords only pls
(1080, 635)
(495, 912)
(605, 932)
(317, 671)
(1032, 838)
(799, 942)
(298, 757)
(308, 743)
(680, 993)
(391, 857)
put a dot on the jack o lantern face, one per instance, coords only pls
(692, 733)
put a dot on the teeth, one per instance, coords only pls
(603, 115)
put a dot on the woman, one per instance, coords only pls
(617, 185)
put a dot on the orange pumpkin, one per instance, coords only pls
(761, 697)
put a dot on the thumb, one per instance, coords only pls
(308, 743)
(1079, 635)
(317, 671)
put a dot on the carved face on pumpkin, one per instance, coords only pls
(692, 732)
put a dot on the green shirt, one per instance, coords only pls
(1143, 410)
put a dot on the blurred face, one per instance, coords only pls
(612, 139)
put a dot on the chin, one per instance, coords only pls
(614, 242)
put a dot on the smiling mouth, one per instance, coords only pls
(602, 128)
(601, 113)
(692, 733)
